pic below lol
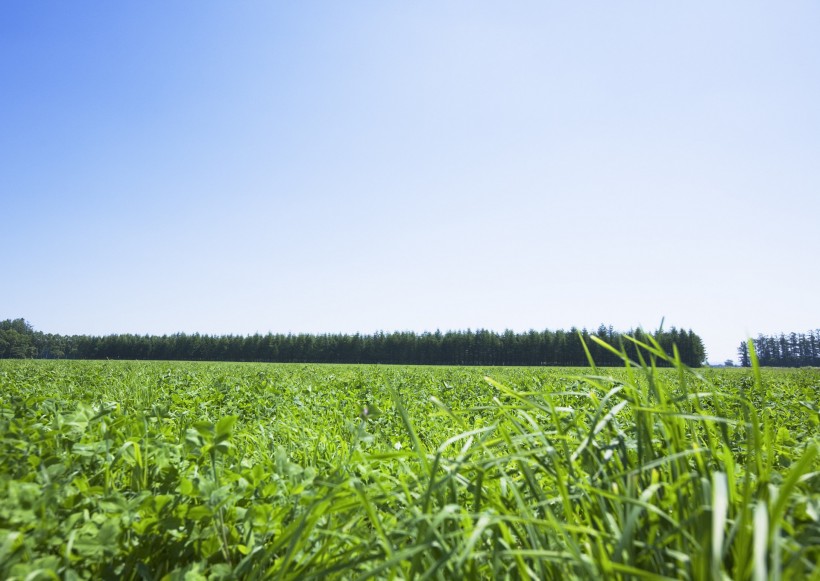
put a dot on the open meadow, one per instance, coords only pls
(152, 470)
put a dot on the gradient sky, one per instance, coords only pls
(240, 167)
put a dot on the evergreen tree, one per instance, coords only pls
(743, 354)
(480, 347)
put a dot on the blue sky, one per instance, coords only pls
(248, 167)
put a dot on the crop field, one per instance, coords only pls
(167, 470)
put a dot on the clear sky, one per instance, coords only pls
(241, 167)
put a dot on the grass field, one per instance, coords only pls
(195, 470)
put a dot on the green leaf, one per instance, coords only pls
(224, 427)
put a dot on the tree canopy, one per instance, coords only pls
(792, 350)
(471, 347)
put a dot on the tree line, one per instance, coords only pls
(792, 350)
(481, 347)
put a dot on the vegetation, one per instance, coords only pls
(482, 347)
(792, 350)
(135, 470)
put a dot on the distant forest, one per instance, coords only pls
(19, 340)
(792, 350)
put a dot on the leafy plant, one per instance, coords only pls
(148, 470)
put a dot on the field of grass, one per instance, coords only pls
(217, 471)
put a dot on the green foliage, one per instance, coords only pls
(792, 350)
(481, 347)
(135, 470)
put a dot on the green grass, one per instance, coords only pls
(188, 471)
